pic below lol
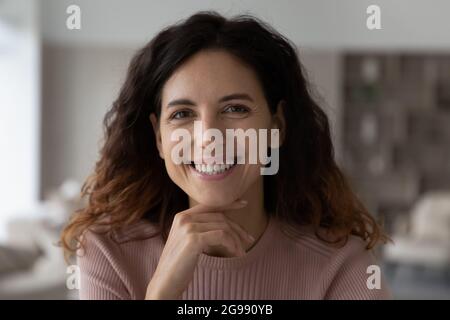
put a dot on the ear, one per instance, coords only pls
(278, 120)
(156, 130)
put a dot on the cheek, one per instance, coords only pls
(252, 173)
(177, 173)
(167, 145)
(166, 150)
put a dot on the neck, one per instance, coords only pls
(253, 217)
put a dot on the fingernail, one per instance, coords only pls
(243, 201)
(250, 237)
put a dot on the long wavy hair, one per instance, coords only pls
(130, 181)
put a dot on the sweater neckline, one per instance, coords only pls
(235, 262)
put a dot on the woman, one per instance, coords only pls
(157, 229)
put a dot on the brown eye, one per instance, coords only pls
(236, 109)
(181, 114)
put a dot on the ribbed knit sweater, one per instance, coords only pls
(278, 266)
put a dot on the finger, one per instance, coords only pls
(219, 238)
(245, 236)
(218, 216)
(237, 204)
(200, 227)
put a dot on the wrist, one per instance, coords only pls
(155, 293)
(152, 293)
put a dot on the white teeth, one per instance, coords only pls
(212, 169)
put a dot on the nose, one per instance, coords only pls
(210, 126)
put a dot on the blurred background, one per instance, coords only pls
(386, 91)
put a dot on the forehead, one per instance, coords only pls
(210, 74)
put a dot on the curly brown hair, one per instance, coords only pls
(130, 181)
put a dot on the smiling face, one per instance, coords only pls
(215, 89)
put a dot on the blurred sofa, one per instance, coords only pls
(32, 264)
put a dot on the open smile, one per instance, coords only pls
(212, 171)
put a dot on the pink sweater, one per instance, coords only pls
(276, 267)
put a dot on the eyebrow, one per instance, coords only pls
(234, 96)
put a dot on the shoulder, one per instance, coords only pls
(343, 269)
(117, 264)
(114, 244)
(306, 239)
(355, 272)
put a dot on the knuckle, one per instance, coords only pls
(189, 228)
(177, 217)
(228, 228)
(221, 216)
(193, 238)
(222, 233)
(183, 218)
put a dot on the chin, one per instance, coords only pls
(215, 199)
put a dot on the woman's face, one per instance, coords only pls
(205, 79)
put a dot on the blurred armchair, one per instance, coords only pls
(424, 241)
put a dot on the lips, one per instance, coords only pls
(212, 169)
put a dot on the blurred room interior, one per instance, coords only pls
(387, 93)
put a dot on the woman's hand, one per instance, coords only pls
(199, 229)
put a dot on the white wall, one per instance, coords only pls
(406, 24)
(19, 109)
(79, 86)
(324, 73)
